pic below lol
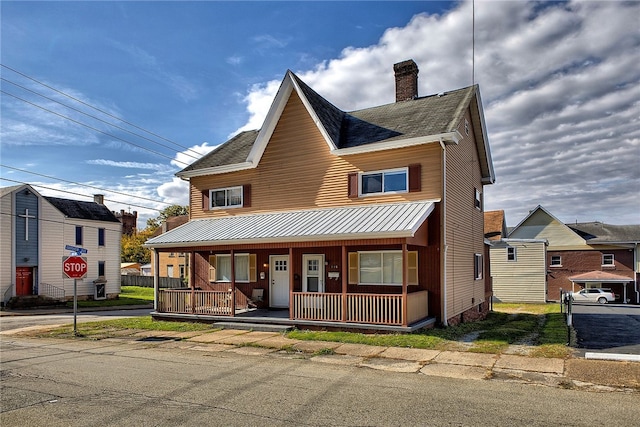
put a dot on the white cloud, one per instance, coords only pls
(131, 165)
(560, 86)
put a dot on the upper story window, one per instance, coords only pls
(511, 254)
(78, 235)
(230, 197)
(607, 260)
(101, 268)
(100, 236)
(556, 261)
(389, 181)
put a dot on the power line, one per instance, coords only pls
(76, 194)
(84, 185)
(94, 117)
(98, 109)
(93, 128)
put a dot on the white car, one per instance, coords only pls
(598, 295)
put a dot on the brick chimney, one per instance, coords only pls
(98, 198)
(406, 80)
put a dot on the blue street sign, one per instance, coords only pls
(76, 249)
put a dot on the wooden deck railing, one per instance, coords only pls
(205, 302)
(361, 308)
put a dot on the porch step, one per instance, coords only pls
(253, 326)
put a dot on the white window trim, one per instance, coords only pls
(211, 198)
(218, 256)
(477, 201)
(551, 264)
(375, 284)
(384, 171)
(613, 260)
(478, 266)
(515, 254)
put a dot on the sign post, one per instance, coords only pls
(75, 267)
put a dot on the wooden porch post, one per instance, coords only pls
(404, 284)
(233, 284)
(291, 301)
(156, 278)
(192, 282)
(345, 272)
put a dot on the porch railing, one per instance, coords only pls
(360, 308)
(185, 301)
(51, 291)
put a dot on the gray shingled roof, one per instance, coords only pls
(424, 116)
(598, 232)
(82, 210)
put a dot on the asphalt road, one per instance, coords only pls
(87, 383)
(607, 328)
(8, 322)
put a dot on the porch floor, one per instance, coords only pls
(279, 320)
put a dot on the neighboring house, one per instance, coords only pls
(130, 269)
(578, 254)
(146, 270)
(34, 232)
(172, 264)
(495, 226)
(519, 270)
(346, 219)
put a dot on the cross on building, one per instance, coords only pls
(26, 217)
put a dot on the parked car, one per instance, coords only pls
(598, 295)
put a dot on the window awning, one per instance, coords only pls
(375, 221)
(600, 277)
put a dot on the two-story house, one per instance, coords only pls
(34, 233)
(351, 219)
(585, 255)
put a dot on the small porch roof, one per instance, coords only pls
(375, 221)
(600, 277)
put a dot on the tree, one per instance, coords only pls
(131, 249)
(168, 212)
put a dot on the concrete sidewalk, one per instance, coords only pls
(598, 375)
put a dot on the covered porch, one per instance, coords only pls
(360, 276)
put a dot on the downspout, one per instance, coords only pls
(444, 231)
(635, 274)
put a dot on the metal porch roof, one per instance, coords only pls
(393, 220)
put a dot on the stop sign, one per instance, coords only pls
(74, 267)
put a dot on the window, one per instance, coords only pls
(607, 260)
(511, 254)
(101, 265)
(100, 236)
(182, 270)
(78, 235)
(478, 199)
(380, 268)
(172, 254)
(477, 266)
(226, 197)
(244, 267)
(390, 181)
(169, 270)
(556, 261)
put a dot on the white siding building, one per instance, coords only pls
(34, 232)
(519, 270)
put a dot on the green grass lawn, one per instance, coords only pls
(129, 295)
(541, 325)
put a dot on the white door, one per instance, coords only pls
(313, 273)
(279, 285)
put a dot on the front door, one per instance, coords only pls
(313, 273)
(24, 281)
(279, 285)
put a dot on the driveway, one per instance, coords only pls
(608, 328)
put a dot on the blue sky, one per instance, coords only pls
(559, 81)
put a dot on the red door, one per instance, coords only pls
(24, 281)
